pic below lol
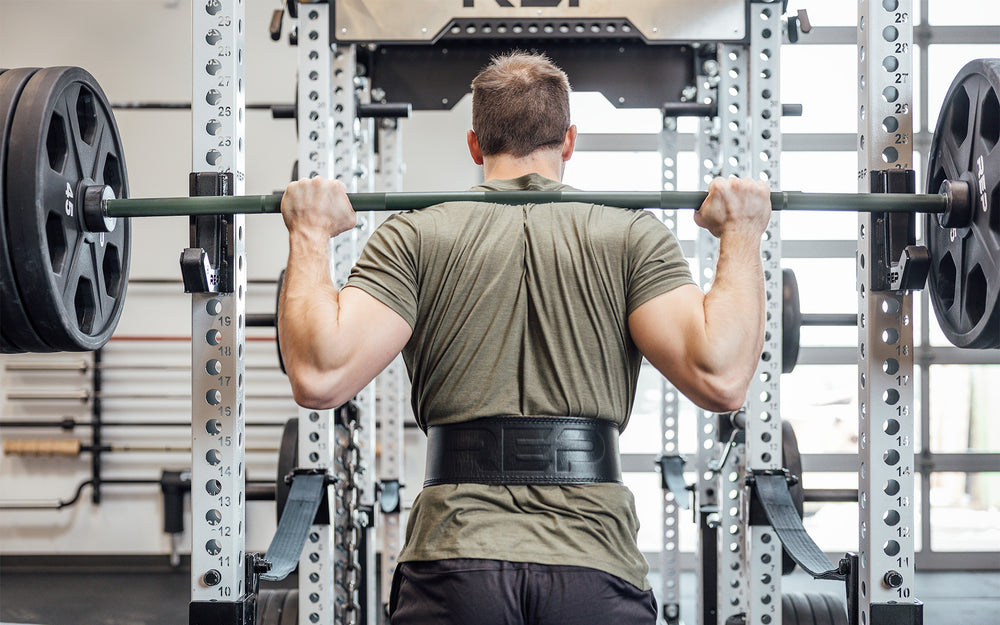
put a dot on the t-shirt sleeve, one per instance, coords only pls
(656, 262)
(387, 268)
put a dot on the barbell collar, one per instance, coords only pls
(958, 204)
(666, 200)
(94, 199)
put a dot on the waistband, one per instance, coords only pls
(523, 450)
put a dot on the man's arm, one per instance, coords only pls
(708, 345)
(333, 342)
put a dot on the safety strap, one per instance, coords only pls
(672, 479)
(772, 493)
(300, 511)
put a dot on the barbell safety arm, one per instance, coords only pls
(667, 200)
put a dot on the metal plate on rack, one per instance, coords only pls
(16, 332)
(658, 21)
(64, 137)
(964, 278)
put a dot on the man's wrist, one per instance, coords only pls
(741, 240)
(308, 237)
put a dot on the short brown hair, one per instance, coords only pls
(520, 103)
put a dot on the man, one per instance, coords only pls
(522, 311)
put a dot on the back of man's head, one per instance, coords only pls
(520, 104)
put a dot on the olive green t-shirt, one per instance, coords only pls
(522, 310)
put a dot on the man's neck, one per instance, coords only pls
(545, 163)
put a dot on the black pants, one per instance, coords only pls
(493, 592)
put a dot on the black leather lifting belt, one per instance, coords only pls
(524, 450)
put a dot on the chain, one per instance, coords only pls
(350, 611)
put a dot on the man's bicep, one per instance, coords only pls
(669, 330)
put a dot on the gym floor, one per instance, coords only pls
(159, 596)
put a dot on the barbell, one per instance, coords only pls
(65, 235)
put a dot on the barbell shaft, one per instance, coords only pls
(668, 200)
(830, 319)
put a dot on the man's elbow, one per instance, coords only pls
(315, 390)
(723, 394)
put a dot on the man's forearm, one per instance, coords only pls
(310, 307)
(734, 307)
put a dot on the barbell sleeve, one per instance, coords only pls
(667, 200)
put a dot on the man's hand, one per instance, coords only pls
(735, 206)
(317, 206)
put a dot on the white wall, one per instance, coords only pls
(140, 50)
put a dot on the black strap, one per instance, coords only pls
(296, 518)
(772, 493)
(524, 450)
(672, 479)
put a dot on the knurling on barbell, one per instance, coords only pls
(70, 257)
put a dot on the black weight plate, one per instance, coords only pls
(271, 613)
(964, 278)
(838, 609)
(791, 320)
(831, 608)
(16, 332)
(803, 609)
(789, 613)
(264, 598)
(288, 459)
(812, 609)
(64, 137)
(290, 613)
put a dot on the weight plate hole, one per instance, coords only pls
(56, 143)
(86, 115)
(55, 237)
(976, 289)
(989, 128)
(85, 304)
(113, 175)
(959, 123)
(112, 267)
(946, 275)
